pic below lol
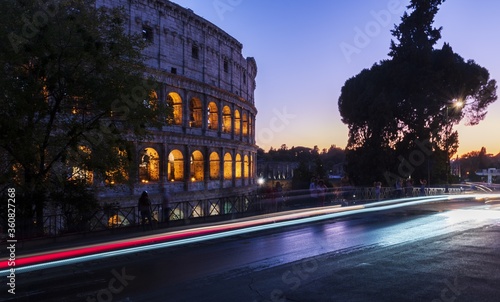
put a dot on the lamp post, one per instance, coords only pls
(455, 104)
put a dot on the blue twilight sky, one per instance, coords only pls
(306, 50)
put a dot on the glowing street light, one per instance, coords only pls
(456, 104)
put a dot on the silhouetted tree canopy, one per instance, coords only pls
(400, 112)
(474, 161)
(72, 89)
(311, 163)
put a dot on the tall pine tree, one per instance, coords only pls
(409, 101)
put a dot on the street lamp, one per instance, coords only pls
(456, 104)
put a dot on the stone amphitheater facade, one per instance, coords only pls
(208, 148)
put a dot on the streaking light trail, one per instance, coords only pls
(145, 243)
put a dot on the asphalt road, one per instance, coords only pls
(435, 252)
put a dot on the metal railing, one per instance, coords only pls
(115, 217)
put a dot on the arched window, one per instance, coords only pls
(213, 116)
(245, 124)
(238, 166)
(152, 101)
(119, 174)
(228, 166)
(226, 119)
(250, 125)
(251, 165)
(79, 162)
(174, 102)
(237, 122)
(197, 166)
(195, 114)
(195, 51)
(246, 166)
(175, 169)
(149, 165)
(214, 166)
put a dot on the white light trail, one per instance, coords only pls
(243, 227)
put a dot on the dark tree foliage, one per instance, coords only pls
(400, 112)
(311, 162)
(72, 89)
(475, 161)
(77, 204)
(415, 34)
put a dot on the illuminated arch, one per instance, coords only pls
(228, 166)
(79, 170)
(238, 166)
(175, 169)
(152, 101)
(197, 171)
(237, 122)
(214, 165)
(119, 175)
(246, 166)
(245, 124)
(226, 119)
(149, 165)
(174, 101)
(213, 116)
(250, 125)
(195, 114)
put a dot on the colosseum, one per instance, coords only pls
(208, 149)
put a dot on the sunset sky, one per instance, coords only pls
(306, 50)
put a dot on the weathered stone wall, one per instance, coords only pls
(195, 60)
(174, 31)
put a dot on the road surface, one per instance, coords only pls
(432, 252)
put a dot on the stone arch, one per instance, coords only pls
(228, 166)
(245, 124)
(212, 116)
(175, 168)
(214, 165)
(78, 160)
(237, 122)
(252, 165)
(152, 101)
(246, 166)
(250, 125)
(120, 174)
(195, 113)
(226, 119)
(197, 164)
(174, 101)
(149, 165)
(238, 172)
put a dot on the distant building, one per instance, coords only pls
(489, 173)
(336, 172)
(276, 170)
